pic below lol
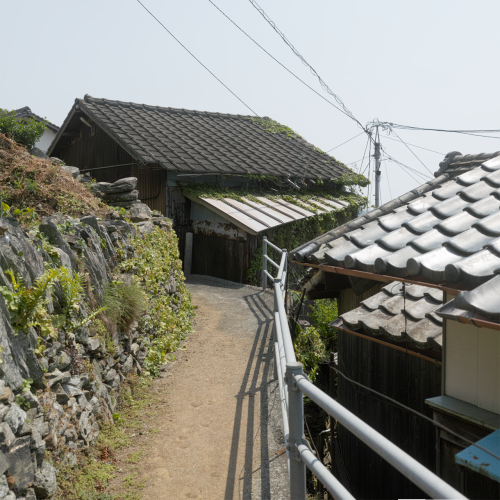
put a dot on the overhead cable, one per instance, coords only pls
(313, 71)
(477, 133)
(193, 56)
(425, 166)
(282, 65)
(349, 140)
(414, 145)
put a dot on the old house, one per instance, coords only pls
(50, 133)
(440, 243)
(187, 163)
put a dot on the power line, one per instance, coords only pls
(193, 56)
(477, 133)
(387, 179)
(414, 145)
(343, 142)
(425, 166)
(313, 71)
(274, 58)
(408, 169)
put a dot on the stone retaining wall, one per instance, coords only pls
(75, 381)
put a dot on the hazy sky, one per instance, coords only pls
(426, 63)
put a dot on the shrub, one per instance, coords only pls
(25, 132)
(124, 303)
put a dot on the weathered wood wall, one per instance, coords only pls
(403, 377)
(224, 258)
(100, 150)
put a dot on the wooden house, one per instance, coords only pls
(169, 149)
(440, 242)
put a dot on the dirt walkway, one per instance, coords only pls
(218, 433)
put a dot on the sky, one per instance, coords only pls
(430, 64)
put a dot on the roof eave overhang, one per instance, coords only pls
(452, 289)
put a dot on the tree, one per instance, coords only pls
(26, 131)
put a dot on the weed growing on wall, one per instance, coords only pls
(168, 317)
(313, 343)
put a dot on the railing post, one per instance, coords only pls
(275, 324)
(296, 432)
(264, 262)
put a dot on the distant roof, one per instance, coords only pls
(27, 113)
(201, 142)
(445, 232)
(410, 318)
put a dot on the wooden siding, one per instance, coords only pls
(100, 150)
(348, 300)
(406, 379)
(223, 258)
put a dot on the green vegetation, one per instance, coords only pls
(168, 318)
(26, 131)
(124, 302)
(273, 127)
(313, 343)
(28, 307)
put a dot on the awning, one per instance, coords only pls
(255, 217)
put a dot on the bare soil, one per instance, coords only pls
(214, 430)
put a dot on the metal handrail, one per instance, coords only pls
(299, 454)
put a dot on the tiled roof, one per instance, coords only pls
(444, 232)
(202, 142)
(27, 113)
(255, 217)
(400, 318)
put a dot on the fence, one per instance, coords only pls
(298, 452)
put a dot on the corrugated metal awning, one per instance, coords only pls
(255, 217)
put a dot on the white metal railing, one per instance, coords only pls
(293, 384)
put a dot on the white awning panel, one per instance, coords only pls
(255, 217)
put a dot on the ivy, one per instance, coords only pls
(273, 127)
(168, 317)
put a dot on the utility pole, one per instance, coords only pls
(377, 166)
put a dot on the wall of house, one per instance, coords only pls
(46, 140)
(87, 151)
(403, 377)
(472, 364)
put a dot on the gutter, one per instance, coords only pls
(445, 287)
(418, 280)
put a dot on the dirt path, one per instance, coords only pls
(217, 428)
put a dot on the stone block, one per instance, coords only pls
(20, 464)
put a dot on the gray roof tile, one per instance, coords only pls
(201, 142)
(448, 230)
(411, 318)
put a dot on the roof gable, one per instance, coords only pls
(203, 142)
